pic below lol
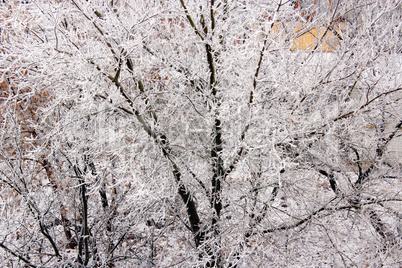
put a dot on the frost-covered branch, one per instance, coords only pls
(19, 256)
(318, 211)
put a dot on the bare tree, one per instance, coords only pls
(200, 133)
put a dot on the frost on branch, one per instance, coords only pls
(200, 133)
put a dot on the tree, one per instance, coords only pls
(151, 133)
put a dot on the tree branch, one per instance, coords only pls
(190, 20)
(379, 153)
(366, 104)
(331, 180)
(19, 256)
(85, 231)
(240, 152)
(324, 208)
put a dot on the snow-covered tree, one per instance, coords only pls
(200, 133)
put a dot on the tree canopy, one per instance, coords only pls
(200, 133)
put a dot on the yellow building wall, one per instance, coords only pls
(309, 38)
